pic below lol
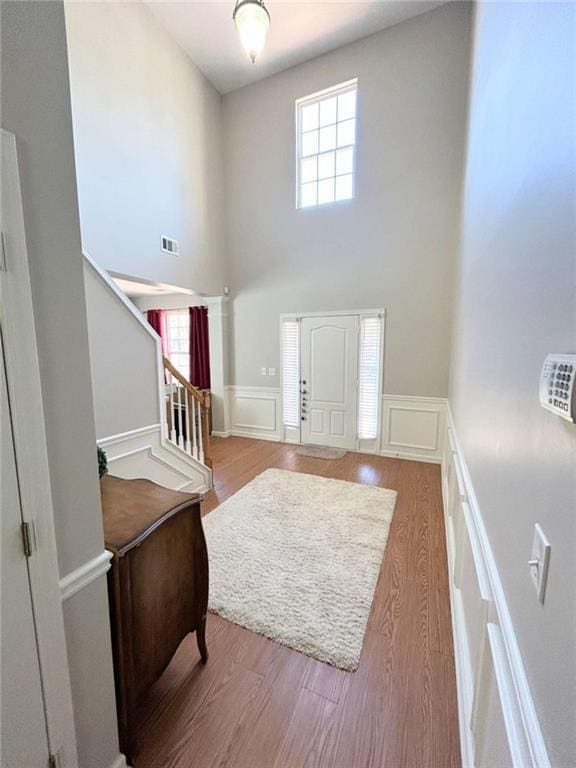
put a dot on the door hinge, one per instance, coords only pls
(27, 539)
(3, 267)
(54, 760)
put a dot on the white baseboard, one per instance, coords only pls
(145, 453)
(255, 435)
(217, 433)
(498, 722)
(406, 456)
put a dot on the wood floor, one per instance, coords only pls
(257, 704)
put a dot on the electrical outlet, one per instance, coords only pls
(271, 371)
(263, 371)
(539, 562)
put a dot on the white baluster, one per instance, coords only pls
(194, 428)
(180, 431)
(200, 437)
(171, 404)
(188, 420)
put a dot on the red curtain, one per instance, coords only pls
(199, 348)
(157, 319)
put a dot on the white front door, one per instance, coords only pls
(329, 376)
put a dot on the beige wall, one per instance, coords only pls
(168, 301)
(36, 108)
(125, 370)
(516, 303)
(148, 148)
(219, 342)
(394, 245)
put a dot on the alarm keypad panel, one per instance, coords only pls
(557, 390)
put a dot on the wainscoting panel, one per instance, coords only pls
(498, 723)
(255, 412)
(413, 427)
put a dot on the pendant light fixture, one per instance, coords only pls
(252, 21)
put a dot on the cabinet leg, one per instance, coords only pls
(201, 640)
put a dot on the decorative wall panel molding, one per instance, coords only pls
(413, 427)
(255, 412)
(498, 722)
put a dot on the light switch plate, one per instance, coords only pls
(539, 561)
(263, 371)
(271, 371)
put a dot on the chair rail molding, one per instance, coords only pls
(85, 574)
(490, 674)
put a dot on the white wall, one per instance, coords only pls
(517, 303)
(148, 147)
(394, 245)
(36, 108)
(123, 361)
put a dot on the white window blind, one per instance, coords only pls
(326, 146)
(291, 372)
(369, 383)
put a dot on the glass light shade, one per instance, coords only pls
(252, 21)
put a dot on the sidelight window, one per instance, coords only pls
(291, 372)
(369, 377)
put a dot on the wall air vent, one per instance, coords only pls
(169, 245)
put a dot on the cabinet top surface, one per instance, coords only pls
(131, 509)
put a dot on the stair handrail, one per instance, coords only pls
(204, 401)
(202, 397)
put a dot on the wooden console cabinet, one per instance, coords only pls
(157, 586)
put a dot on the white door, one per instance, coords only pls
(23, 735)
(329, 376)
(24, 739)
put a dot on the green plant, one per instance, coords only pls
(102, 463)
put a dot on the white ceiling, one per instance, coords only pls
(299, 30)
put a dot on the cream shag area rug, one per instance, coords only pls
(296, 557)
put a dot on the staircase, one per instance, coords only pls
(187, 423)
(149, 419)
